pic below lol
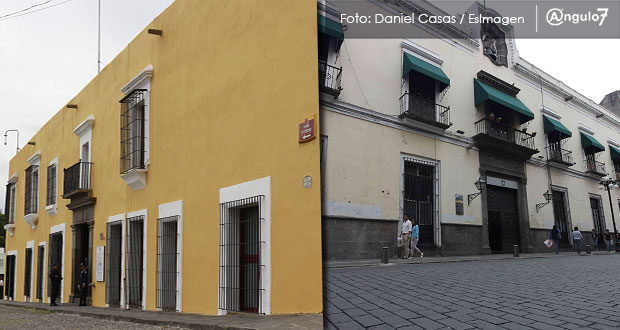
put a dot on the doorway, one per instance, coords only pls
(81, 252)
(134, 256)
(419, 198)
(249, 258)
(598, 219)
(10, 272)
(503, 219)
(55, 258)
(28, 275)
(167, 257)
(560, 216)
(113, 276)
(40, 271)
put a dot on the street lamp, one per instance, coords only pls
(480, 185)
(547, 195)
(6, 136)
(608, 184)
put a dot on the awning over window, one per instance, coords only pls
(554, 126)
(411, 62)
(615, 153)
(484, 92)
(330, 27)
(590, 144)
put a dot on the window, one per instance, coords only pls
(133, 131)
(9, 206)
(32, 189)
(51, 185)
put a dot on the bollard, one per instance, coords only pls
(588, 251)
(384, 255)
(515, 251)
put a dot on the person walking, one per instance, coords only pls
(608, 240)
(415, 237)
(555, 237)
(577, 237)
(406, 235)
(595, 238)
(83, 285)
(55, 279)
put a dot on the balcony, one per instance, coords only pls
(329, 79)
(595, 168)
(504, 140)
(77, 180)
(559, 156)
(424, 110)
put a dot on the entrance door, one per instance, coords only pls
(418, 198)
(503, 218)
(560, 216)
(249, 258)
(9, 282)
(40, 271)
(113, 279)
(55, 258)
(81, 253)
(597, 218)
(134, 262)
(28, 274)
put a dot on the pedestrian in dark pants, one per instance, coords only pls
(595, 238)
(577, 237)
(83, 285)
(55, 279)
(608, 240)
(555, 237)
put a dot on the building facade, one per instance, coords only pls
(178, 174)
(483, 149)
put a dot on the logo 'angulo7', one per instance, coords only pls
(557, 16)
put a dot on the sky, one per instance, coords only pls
(48, 56)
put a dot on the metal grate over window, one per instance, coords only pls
(51, 185)
(167, 256)
(241, 265)
(132, 130)
(134, 254)
(27, 272)
(9, 205)
(32, 189)
(113, 258)
(40, 271)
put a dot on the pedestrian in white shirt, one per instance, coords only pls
(577, 237)
(406, 235)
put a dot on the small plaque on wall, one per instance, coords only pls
(459, 204)
(100, 265)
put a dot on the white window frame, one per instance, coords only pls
(143, 213)
(170, 210)
(246, 190)
(61, 229)
(136, 178)
(53, 208)
(30, 245)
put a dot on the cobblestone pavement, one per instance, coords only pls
(32, 319)
(560, 292)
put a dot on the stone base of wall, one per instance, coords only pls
(461, 239)
(346, 238)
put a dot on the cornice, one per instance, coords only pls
(551, 113)
(585, 129)
(36, 157)
(139, 80)
(419, 50)
(496, 82)
(84, 126)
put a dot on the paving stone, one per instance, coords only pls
(407, 314)
(488, 318)
(395, 321)
(380, 312)
(338, 318)
(426, 323)
(368, 320)
(455, 324)
(382, 327)
(352, 325)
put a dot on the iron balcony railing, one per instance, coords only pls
(556, 153)
(77, 178)
(424, 109)
(329, 77)
(504, 132)
(592, 166)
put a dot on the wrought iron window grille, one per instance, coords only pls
(167, 256)
(32, 189)
(134, 257)
(133, 131)
(51, 185)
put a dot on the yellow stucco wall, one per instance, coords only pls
(232, 80)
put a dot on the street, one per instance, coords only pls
(559, 292)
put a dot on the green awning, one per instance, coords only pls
(484, 92)
(615, 153)
(411, 62)
(330, 27)
(552, 125)
(589, 143)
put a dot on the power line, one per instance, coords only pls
(17, 12)
(33, 11)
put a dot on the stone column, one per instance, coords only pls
(486, 249)
(74, 262)
(91, 227)
(524, 219)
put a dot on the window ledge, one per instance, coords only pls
(32, 219)
(52, 209)
(10, 227)
(135, 178)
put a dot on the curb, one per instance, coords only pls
(100, 316)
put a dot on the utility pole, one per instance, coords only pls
(99, 38)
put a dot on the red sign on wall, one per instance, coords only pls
(307, 131)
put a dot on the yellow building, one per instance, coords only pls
(195, 192)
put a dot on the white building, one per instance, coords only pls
(408, 127)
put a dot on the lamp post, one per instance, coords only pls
(608, 184)
(547, 195)
(6, 135)
(480, 185)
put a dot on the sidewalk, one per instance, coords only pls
(183, 320)
(430, 260)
